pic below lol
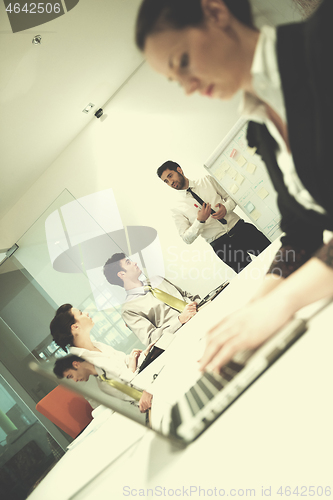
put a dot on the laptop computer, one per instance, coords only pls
(199, 398)
(213, 294)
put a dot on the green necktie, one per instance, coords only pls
(126, 389)
(168, 299)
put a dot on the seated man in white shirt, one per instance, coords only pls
(71, 327)
(79, 370)
(147, 316)
(230, 237)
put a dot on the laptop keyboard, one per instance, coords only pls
(206, 400)
(212, 393)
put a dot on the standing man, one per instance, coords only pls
(207, 210)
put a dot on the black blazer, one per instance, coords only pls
(305, 59)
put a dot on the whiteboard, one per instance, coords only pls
(242, 173)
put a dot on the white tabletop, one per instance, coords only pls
(276, 434)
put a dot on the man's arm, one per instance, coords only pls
(189, 232)
(145, 401)
(133, 359)
(145, 330)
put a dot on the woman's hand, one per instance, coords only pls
(252, 325)
(247, 328)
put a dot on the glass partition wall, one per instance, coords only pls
(49, 267)
(27, 449)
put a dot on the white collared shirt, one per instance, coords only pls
(135, 293)
(186, 212)
(107, 358)
(266, 84)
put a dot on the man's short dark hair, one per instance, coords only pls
(66, 363)
(159, 15)
(112, 267)
(61, 325)
(171, 165)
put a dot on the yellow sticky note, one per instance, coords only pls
(251, 151)
(251, 168)
(234, 188)
(262, 193)
(241, 161)
(239, 179)
(232, 172)
(219, 173)
(255, 214)
(224, 165)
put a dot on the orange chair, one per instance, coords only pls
(67, 410)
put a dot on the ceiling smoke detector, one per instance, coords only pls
(37, 40)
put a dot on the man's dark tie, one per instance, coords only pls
(199, 200)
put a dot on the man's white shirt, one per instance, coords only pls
(186, 211)
(114, 363)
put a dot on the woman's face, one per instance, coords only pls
(207, 60)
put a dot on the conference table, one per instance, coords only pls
(274, 440)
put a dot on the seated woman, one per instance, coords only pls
(71, 327)
(285, 74)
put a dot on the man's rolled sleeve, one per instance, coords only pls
(189, 232)
(229, 204)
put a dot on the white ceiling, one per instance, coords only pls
(85, 56)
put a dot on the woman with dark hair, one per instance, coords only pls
(70, 328)
(163, 15)
(211, 47)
